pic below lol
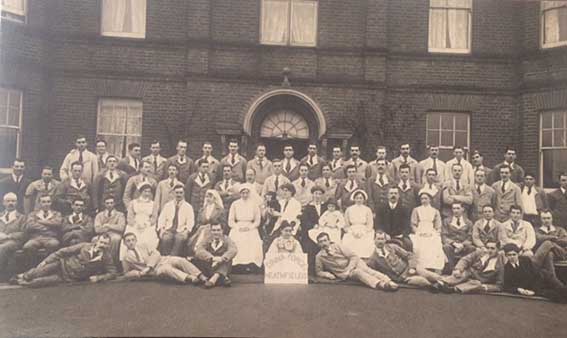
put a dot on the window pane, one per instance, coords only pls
(447, 122)
(558, 120)
(558, 138)
(458, 29)
(3, 106)
(14, 116)
(8, 146)
(115, 145)
(275, 21)
(304, 23)
(432, 137)
(117, 119)
(554, 162)
(437, 28)
(461, 139)
(447, 139)
(546, 120)
(547, 138)
(433, 121)
(461, 122)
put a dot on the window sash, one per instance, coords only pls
(289, 28)
(16, 7)
(447, 33)
(12, 101)
(553, 156)
(440, 131)
(553, 24)
(124, 18)
(119, 122)
(555, 130)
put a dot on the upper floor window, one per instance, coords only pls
(289, 22)
(10, 125)
(119, 123)
(553, 146)
(450, 26)
(553, 24)
(124, 18)
(448, 130)
(14, 10)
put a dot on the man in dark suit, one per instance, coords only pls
(131, 163)
(309, 219)
(378, 185)
(558, 202)
(236, 161)
(516, 172)
(393, 218)
(184, 163)
(214, 257)
(77, 227)
(314, 161)
(109, 182)
(347, 187)
(16, 183)
(289, 164)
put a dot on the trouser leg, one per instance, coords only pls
(42, 271)
(7, 249)
(184, 265)
(166, 243)
(179, 240)
(543, 259)
(46, 281)
(417, 280)
(432, 277)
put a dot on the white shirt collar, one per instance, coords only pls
(40, 214)
(74, 183)
(17, 179)
(545, 230)
(11, 215)
(384, 178)
(392, 205)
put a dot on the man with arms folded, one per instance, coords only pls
(486, 229)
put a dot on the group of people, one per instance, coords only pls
(454, 226)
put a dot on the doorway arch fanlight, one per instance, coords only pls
(284, 124)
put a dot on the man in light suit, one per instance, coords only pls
(303, 185)
(482, 195)
(164, 190)
(372, 169)
(215, 169)
(175, 222)
(467, 176)
(357, 162)
(261, 165)
(405, 158)
(478, 164)
(517, 231)
(327, 182)
(131, 163)
(534, 199)
(456, 235)
(80, 154)
(236, 161)
(432, 162)
(12, 229)
(141, 261)
(275, 181)
(289, 164)
(314, 162)
(337, 164)
(558, 202)
(131, 191)
(378, 186)
(347, 187)
(227, 187)
(155, 159)
(197, 185)
(456, 190)
(507, 194)
(16, 183)
(214, 257)
(486, 228)
(184, 164)
(101, 153)
(516, 172)
(46, 185)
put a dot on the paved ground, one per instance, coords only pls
(149, 308)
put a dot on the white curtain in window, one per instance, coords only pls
(458, 29)
(555, 21)
(275, 16)
(437, 28)
(14, 6)
(449, 24)
(304, 22)
(124, 16)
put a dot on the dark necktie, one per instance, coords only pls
(303, 182)
(46, 186)
(277, 182)
(233, 159)
(487, 226)
(76, 219)
(405, 159)
(383, 252)
(514, 226)
(381, 179)
(225, 185)
(310, 161)
(6, 218)
(78, 184)
(260, 164)
(485, 265)
(45, 214)
(100, 162)
(181, 159)
(327, 184)
(503, 187)
(430, 186)
(80, 156)
(175, 221)
(285, 205)
(529, 190)
(404, 186)
(109, 213)
(171, 183)
(351, 184)
(137, 255)
(202, 177)
(435, 164)
(216, 244)
(458, 221)
(136, 164)
(458, 186)
(334, 164)
(155, 164)
(288, 166)
(111, 176)
(478, 189)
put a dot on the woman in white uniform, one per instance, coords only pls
(243, 221)
(359, 226)
(426, 236)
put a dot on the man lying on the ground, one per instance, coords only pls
(335, 261)
(398, 264)
(140, 261)
(479, 271)
(214, 257)
(80, 262)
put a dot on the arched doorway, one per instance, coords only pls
(284, 116)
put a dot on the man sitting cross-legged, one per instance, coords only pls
(398, 264)
(214, 257)
(335, 261)
(80, 262)
(141, 260)
(479, 271)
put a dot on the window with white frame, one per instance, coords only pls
(553, 24)
(14, 10)
(450, 26)
(448, 130)
(553, 146)
(119, 123)
(10, 125)
(289, 22)
(124, 18)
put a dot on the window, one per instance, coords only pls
(10, 125)
(14, 10)
(450, 26)
(124, 18)
(285, 124)
(553, 146)
(289, 22)
(447, 130)
(553, 24)
(119, 123)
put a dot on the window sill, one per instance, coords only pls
(458, 52)
(275, 45)
(124, 36)
(551, 46)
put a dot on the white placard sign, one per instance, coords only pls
(285, 268)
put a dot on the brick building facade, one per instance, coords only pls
(202, 73)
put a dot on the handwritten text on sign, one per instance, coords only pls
(285, 268)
